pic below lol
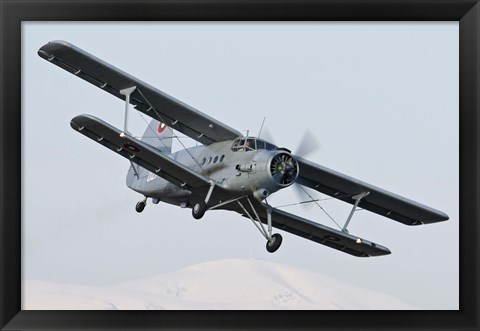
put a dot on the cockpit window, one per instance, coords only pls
(260, 144)
(251, 144)
(270, 147)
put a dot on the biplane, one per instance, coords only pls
(227, 170)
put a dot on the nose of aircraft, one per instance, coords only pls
(284, 169)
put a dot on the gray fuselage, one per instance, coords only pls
(238, 171)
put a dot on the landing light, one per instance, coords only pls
(359, 241)
(122, 134)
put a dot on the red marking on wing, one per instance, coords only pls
(161, 127)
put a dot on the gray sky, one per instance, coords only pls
(382, 98)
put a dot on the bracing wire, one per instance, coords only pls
(161, 119)
(148, 126)
(316, 202)
(310, 201)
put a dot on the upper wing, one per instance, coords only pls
(379, 201)
(321, 234)
(146, 98)
(139, 152)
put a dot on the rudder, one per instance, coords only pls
(159, 135)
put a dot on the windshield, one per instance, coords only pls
(251, 144)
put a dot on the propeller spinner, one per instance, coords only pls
(284, 169)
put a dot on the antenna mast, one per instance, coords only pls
(260, 132)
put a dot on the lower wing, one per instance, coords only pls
(140, 153)
(318, 233)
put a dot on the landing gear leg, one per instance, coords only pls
(200, 207)
(273, 241)
(141, 205)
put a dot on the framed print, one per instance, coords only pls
(338, 95)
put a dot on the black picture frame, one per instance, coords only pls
(467, 12)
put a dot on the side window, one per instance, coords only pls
(215, 159)
(209, 160)
(260, 144)
(238, 145)
(241, 145)
(221, 158)
(203, 161)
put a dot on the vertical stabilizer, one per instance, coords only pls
(159, 135)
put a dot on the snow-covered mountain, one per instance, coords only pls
(224, 284)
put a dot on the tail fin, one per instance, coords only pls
(159, 135)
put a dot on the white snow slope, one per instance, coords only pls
(224, 284)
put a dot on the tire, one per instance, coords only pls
(140, 206)
(274, 243)
(198, 210)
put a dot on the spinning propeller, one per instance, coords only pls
(284, 168)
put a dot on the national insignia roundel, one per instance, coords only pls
(161, 127)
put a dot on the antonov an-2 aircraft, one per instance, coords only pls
(228, 171)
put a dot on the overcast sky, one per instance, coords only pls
(382, 98)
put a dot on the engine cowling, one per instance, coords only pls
(276, 171)
(264, 174)
(283, 169)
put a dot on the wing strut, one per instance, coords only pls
(126, 92)
(357, 199)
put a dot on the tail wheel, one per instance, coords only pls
(274, 243)
(140, 206)
(198, 210)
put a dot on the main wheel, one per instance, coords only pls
(198, 210)
(140, 206)
(274, 243)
